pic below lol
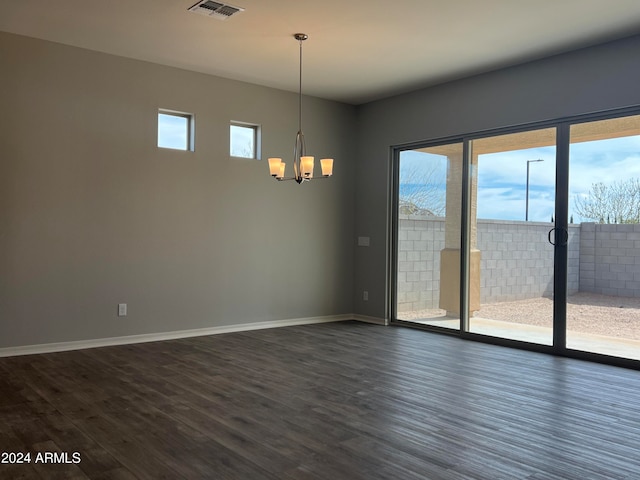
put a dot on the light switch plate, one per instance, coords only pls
(363, 241)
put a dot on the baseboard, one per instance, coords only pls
(156, 337)
(368, 319)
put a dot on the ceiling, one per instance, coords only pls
(357, 50)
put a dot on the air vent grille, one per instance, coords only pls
(213, 6)
(218, 10)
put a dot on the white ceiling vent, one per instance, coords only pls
(221, 11)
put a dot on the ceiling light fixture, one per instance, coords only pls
(302, 163)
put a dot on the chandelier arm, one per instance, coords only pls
(296, 156)
(300, 180)
(299, 150)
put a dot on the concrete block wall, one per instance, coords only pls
(420, 240)
(516, 261)
(610, 259)
(573, 261)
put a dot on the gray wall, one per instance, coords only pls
(584, 81)
(93, 214)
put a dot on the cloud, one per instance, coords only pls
(509, 203)
(511, 167)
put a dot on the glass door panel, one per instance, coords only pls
(428, 246)
(603, 311)
(511, 262)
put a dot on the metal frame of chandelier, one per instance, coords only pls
(302, 163)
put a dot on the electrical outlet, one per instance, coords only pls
(122, 309)
(365, 295)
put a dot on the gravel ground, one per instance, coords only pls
(586, 312)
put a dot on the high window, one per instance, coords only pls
(175, 130)
(244, 140)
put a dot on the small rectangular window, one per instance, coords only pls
(244, 140)
(175, 130)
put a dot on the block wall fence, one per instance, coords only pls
(517, 260)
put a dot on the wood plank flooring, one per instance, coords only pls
(332, 401)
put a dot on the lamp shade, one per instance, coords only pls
(306, 166)
(281, 170)
(327, 166)
(274, 166)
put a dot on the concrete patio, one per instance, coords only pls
(603, 324)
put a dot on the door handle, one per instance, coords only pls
(565, 235)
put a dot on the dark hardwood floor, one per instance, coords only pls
(332, 401)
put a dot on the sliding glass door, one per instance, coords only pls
(543, 225)
(603, 314)
(512, 211)
(428, 235)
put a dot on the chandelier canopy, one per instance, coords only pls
(302, 163)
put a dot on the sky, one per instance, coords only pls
(502, 176)
(172, 131)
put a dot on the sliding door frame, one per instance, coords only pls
(562, 126)
(560, 249)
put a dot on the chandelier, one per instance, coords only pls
(302, 163)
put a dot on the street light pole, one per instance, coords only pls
(526, 211)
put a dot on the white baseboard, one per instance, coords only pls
(156, 337)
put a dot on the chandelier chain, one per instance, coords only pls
(300, 90)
